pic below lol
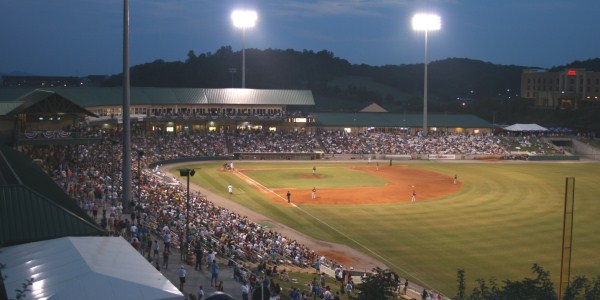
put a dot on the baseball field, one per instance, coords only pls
(495, 222)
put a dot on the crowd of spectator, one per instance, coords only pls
(341, 142)
(189, 143)
(273, 141)
(167, 145)
(441, 143)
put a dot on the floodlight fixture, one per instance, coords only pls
(244, 18)
(426, 22)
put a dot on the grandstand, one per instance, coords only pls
(205, 110)
(249, 124)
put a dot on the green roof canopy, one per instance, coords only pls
(33, 207)
(398, 120)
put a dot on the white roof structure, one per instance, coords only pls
(84, 268)
(525, 127)
(374, 107)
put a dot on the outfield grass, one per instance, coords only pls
(505, 218)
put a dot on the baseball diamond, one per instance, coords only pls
(497, 221)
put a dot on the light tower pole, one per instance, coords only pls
(426, 23)
(244, 19)
(126, 119)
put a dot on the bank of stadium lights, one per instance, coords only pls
(426, 23)
(244, 19)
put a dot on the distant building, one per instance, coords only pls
(569, 88)
(52, 81)
(41, 81)
(93, 80)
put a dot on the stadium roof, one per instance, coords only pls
(42, 102)
(110, 96)
(525, 127)
(33, 207)
(7, 107)
(398, 120)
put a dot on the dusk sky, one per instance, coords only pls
(84, 37)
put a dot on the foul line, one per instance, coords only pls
(261, 187)
(264, 188)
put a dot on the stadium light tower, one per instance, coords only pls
(126, 117)
(426, 23)
(244, 19)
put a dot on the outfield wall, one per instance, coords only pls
(592, 153)
(398, 157)
(553, 157)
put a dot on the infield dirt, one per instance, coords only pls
(402, 181)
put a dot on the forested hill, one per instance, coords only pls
(590, 65)
(456, 85)
(395, 87)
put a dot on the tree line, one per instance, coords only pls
(539, 287)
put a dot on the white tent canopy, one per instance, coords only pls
(84, 268)
(525, 127)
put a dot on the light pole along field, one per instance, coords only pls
(498, 221)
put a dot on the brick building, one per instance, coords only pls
(568, 88)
